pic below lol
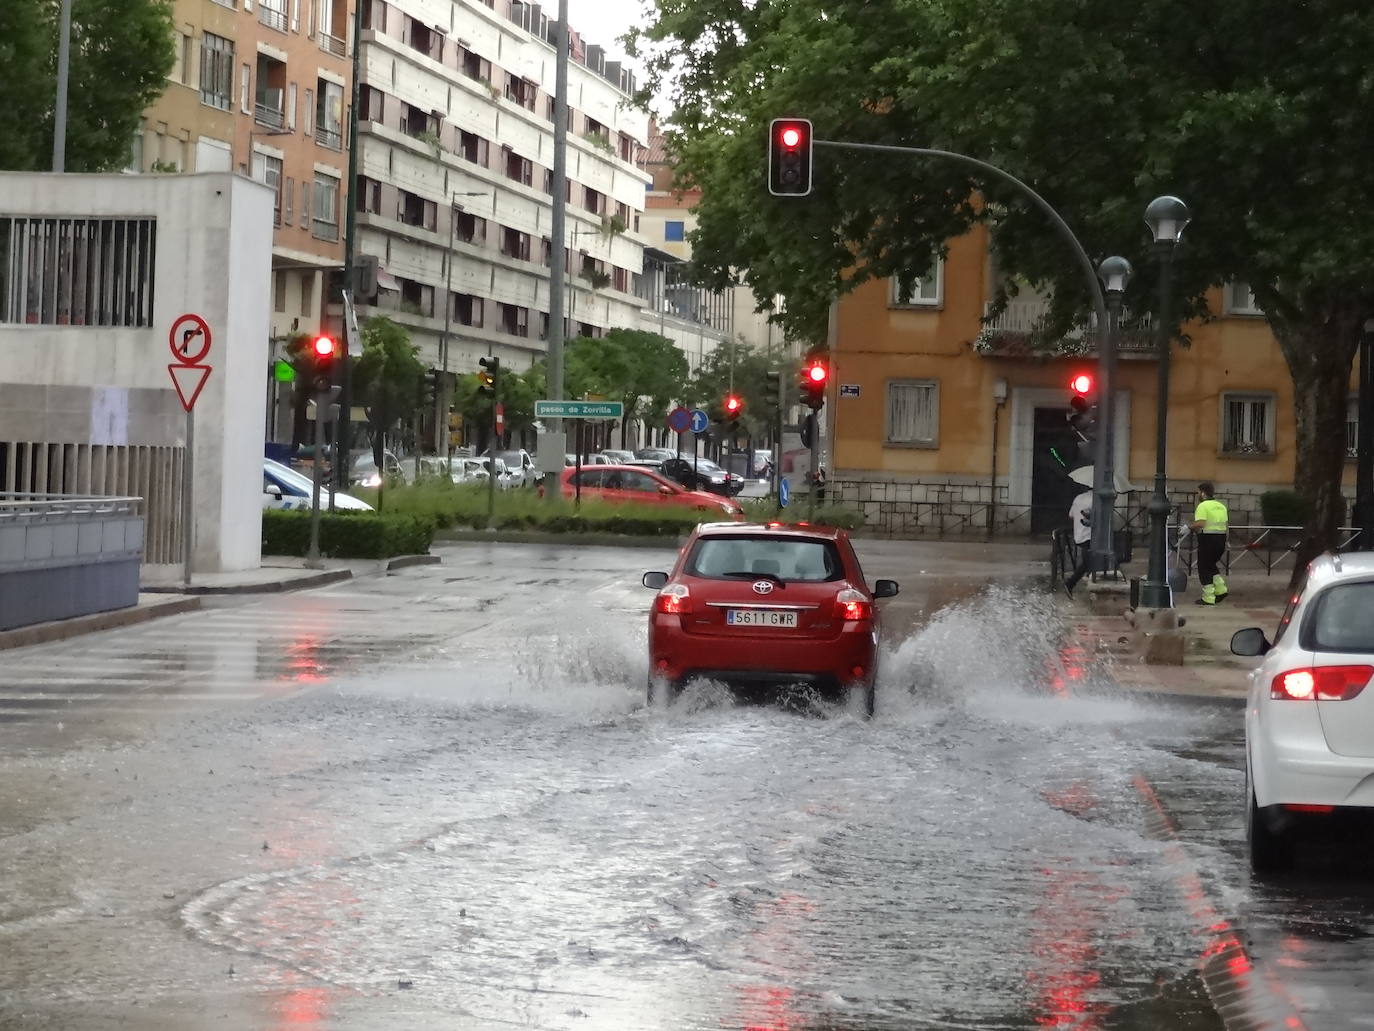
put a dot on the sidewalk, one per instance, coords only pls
(277, 573)
(1209, 669)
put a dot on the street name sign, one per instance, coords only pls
(579, 409)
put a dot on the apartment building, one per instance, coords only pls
(454, 188)
(945, 421)
(260, 88)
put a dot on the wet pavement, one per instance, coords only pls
(436, 799)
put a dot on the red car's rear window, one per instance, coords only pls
(789, 558)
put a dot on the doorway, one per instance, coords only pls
(1055, 452)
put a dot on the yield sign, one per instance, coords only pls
(189, 381)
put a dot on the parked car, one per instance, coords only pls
(506, 478)
(658, 454)
(702, 474)
(1309, 719)
(571, 460)
(766, 604)
(521, 465)
(285, 488)
(363, 470)
(626, 483)
(617, 456)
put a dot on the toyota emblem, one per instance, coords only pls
(763, 586)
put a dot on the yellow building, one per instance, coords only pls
(941, 424)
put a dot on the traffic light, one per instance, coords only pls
(1082, 415)
(486, 379)
(733, 406)
(815, 374)
(431, 388)
(789, 157)
(324, 354)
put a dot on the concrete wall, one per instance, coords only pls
(214, 240)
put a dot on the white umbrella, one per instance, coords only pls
(1083, 475)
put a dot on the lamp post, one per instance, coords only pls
(1167, 217)
(1364, 442)
(1114, 272)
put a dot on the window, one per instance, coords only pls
(913, 413)
(288, 196)
(416, 298)
(675, 232)
(1247, 424)
(475, 67)
(305, 204)
(181, 58)
(515, 244)
(329, 115)
(77, 271)
(326, 207)
(513, 320)
(521, 91)
(272, 13)
(473, 148)
(1352, 428)
(923, 291)
(279, 292)
(268, 170)
(216, 71)
(744, 558)
(369, 196)
(595, 203)
(291, 107)
(471, 229)
(467, 310)
(1239, 299)
(371, 104)
(414, 210)
(517, 168)
(246, 90)
(1340, 619)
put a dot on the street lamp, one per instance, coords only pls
(1115, 273)
(1167, 217)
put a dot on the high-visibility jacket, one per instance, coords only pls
(1212, 515)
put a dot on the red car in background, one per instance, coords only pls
(766, 604)
(621, 484)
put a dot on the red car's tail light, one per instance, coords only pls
(1323, 683)
(674, 599)
(852, 605)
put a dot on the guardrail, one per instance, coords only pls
(1247, 547)
(38, 507)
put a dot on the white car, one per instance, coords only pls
(1309, 721)
(506, 477)
(521, 465)
(285, 488)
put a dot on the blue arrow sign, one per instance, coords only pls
(784, 492)
(700, 420)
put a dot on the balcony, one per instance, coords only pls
(333, 45)
(331, 138)
(268, 111)
(273, 18)
(1012, 334)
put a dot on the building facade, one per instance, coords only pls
(454, 188)
(260, 87)
(944, 424)
(101, 277)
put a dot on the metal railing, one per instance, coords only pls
(333, 45)
(272, 18)
(28, 508)
(1250, 547)
(269, 116)
(331, 138)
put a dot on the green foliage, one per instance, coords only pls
(1289, 508)
(713, 377)
(766, 510)
(465, 505)
(599, 142)
(121, 54)
(386, 378)
(354, 535)
(627, 365)
(1258, 113)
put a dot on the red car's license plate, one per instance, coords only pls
(760, 617)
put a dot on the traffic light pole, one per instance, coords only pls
(312, 556)
(1104, 473)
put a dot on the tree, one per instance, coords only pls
(121, 54)
(738, 368)
(627, 365)
(386, 378)
(1257, 112)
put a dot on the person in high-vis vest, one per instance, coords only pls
(1210, 523)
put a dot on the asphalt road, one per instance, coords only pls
(435, 799)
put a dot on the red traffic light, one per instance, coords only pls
(789, 157)
(1082, 383)
(817, 373)
(791, 136)
(324, 347)
(733, 405)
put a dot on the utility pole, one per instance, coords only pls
(343, 428)
(558, 232)
(59, 124)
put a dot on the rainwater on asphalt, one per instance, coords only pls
(480, 824)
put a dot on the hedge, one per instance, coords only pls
(356, 535)
(1289, 508)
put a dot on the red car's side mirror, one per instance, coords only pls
(663, 488)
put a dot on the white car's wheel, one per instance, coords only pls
(1270, 849)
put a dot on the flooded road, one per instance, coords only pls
(436, 799)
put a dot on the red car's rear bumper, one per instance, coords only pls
(741, 656)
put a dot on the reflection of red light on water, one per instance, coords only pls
(769, 1008)
(302, 1007)
(303, 661)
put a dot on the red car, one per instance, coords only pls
(632, 483)
(769, 604)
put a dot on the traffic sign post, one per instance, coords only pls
(189, 340)
(784, 492)
(700, 420)
(679, 420)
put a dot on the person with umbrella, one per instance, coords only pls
(1080, 525)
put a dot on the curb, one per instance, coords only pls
(321, 579)
(60, 630)
(403, 561)
(618, 540)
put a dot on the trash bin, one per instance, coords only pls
(1135, 592)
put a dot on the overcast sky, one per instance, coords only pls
(601, 21)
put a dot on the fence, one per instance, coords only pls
(65, 555)
(1255, 547)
